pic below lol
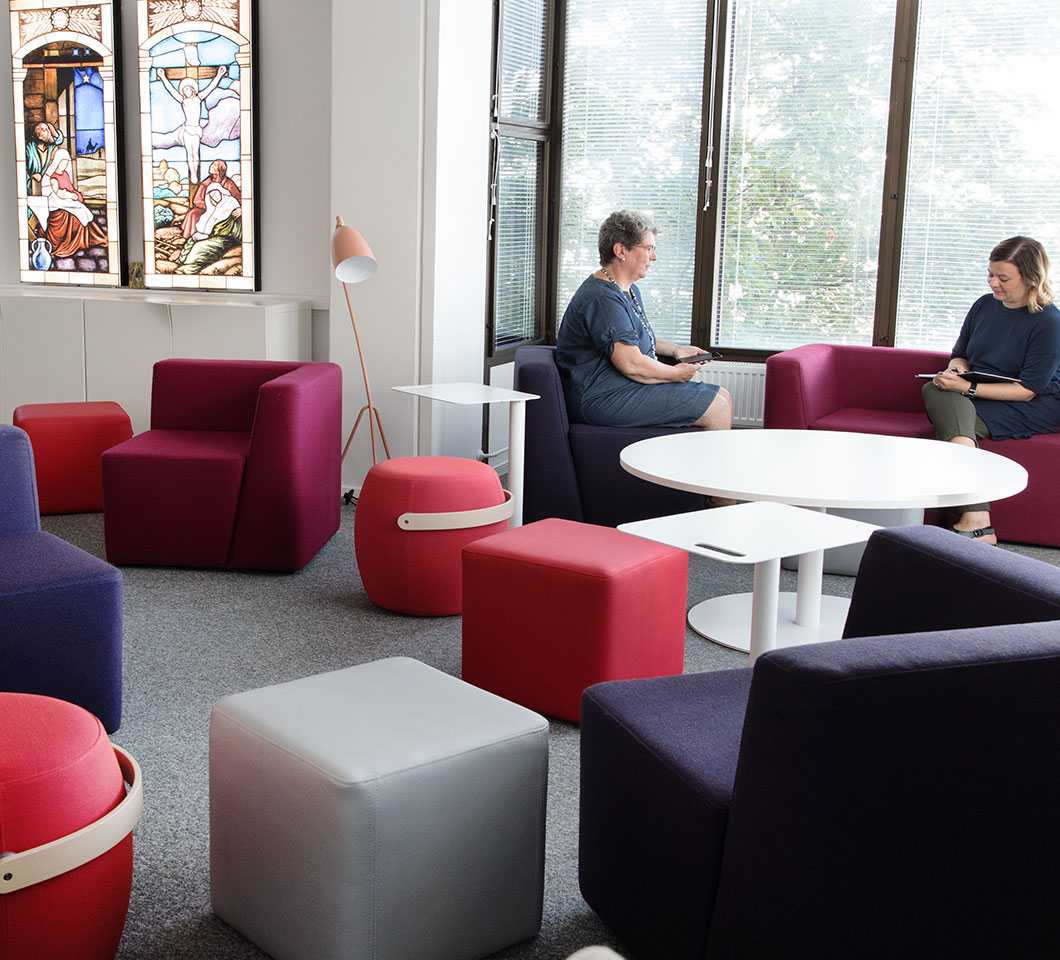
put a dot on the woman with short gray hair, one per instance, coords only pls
(608, 354)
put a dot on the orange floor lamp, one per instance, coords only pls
(353, 261)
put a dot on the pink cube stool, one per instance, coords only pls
(68, 441)
(413, 517)
(66, 850)
(556, 606)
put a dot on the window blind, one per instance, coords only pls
(801, 179)
(523, 37)
(632, 112)
(519, 129)
(515, 262)
(984, 156)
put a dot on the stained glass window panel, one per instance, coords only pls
(196, 110)
(66, 142)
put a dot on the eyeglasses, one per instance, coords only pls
(650, 247)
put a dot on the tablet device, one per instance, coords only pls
(975, 376)
(697, 358)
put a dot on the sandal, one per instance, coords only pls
(975, 534)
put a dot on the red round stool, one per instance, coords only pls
(65, 822)
(414, 516)
(68, 441)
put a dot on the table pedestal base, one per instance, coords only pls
(846, 560)
(726, 621)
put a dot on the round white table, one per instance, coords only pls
(821, 469)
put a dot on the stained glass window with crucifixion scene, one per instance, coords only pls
(197, 143)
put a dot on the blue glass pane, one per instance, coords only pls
(88, 108)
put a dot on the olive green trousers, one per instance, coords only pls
(953, 415)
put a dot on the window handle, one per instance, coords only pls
(495, 162)
(708, 184)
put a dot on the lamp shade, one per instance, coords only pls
(351, 256)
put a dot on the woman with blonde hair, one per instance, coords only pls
(1011, 332)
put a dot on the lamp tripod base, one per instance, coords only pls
(374, 421)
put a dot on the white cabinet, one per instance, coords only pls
(101, 344)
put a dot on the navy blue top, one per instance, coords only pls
(598, 316)
(1021, 344)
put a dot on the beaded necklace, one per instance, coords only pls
(638, 309)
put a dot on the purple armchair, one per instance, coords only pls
(240, 468)
(572, 469)
(887, 795)
(60, 608)
(873, 390)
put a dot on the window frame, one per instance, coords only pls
(544, 133)
(715, 86)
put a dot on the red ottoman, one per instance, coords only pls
(68, 440)
(62, 780)
(556, 606)
(414, 515)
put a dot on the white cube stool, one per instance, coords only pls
(381, 812)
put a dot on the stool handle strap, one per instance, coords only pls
(18, 870)
(458, 519)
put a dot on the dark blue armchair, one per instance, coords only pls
(572, 469)
(60, 608)
(893, 794)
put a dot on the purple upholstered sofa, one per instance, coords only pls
(891, 794)
(572, 469)
(240, 468)
(874, 390)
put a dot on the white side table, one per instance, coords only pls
(469, 394)
(761, 533)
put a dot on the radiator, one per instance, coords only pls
(747, 384)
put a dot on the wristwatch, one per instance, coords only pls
(970, 392)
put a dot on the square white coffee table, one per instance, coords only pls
(470, 394)
(761, 533)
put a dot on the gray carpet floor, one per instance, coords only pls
(194, 636)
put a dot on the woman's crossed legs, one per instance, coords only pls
(955, 420)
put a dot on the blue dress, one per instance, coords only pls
(598, 316)
(1015, 343)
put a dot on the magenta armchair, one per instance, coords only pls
(240, 468)
(874, 390)
(857, 389)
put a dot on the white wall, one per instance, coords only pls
(410, 82)
(378, 112)
(377, 84)
(456, 184)
(294, 112)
